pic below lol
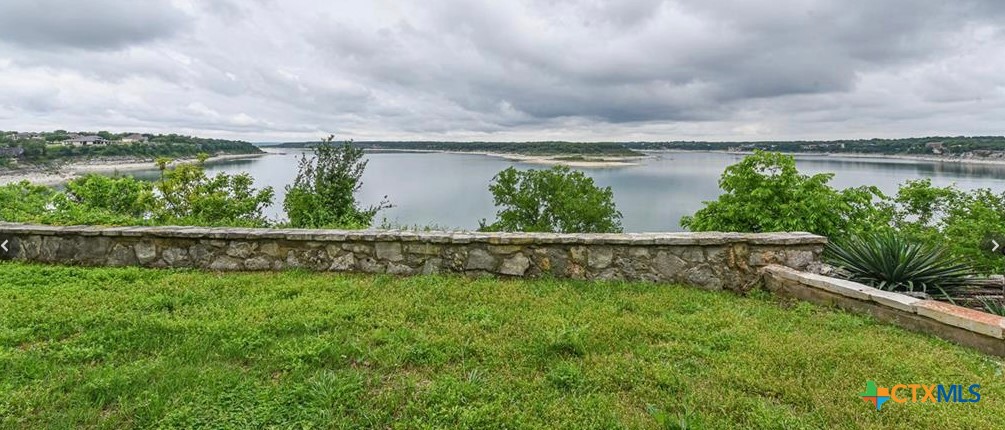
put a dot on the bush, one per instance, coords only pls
(190, 197)
(764, 192)
(324, 192)
(24, 202)
(184, 196)
(552, 200)
(961, 220)
(892, 262)
(126, 196)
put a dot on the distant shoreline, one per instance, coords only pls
(76, 169)
(616, 161)
(925, 158)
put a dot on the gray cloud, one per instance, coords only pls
(632, 69)
(87, 24)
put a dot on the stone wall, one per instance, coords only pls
(708, 260)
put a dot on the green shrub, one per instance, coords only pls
(126, 196)
(892, 262)
(183, 196)
(190, 197)
(323, 195)
(553, 200)
(24, 202)
(764, 192)
(961, 220)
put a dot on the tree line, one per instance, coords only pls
(47, 147)
(944, 145)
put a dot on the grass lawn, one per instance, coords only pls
(121, 348)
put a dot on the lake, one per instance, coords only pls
(451, 190)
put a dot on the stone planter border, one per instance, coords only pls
(969, 327)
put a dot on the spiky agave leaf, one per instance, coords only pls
(891, 262)
(993, 305)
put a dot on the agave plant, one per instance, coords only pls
(891, 262)
(993, 306)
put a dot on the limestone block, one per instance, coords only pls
(668, 265)
(600, 257)
(122, 255)
(258, 263)
(388, 251)
(225, 263)
(145, 252)
(515, 266)
(240, 249)
(344, 263)
(399, 269)
(432, 266)
(479, 259)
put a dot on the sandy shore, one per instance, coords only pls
(73, 170)
(930, 159)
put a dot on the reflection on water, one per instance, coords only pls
(451, 190)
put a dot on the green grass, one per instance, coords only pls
(121, 348)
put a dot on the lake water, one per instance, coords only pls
(451, 190)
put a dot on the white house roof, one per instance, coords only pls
(88, 139)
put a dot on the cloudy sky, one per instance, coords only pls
(502, 70)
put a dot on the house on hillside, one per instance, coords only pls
(133, 138)
(86, 141)
(937, 148)
(26, 136)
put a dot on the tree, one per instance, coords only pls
(963, 221)
(35, 149)
(323, 195)
(56, 136)
(552, 200)
(764, 192)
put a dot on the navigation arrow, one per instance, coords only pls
(4, 246)
(995, 249)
